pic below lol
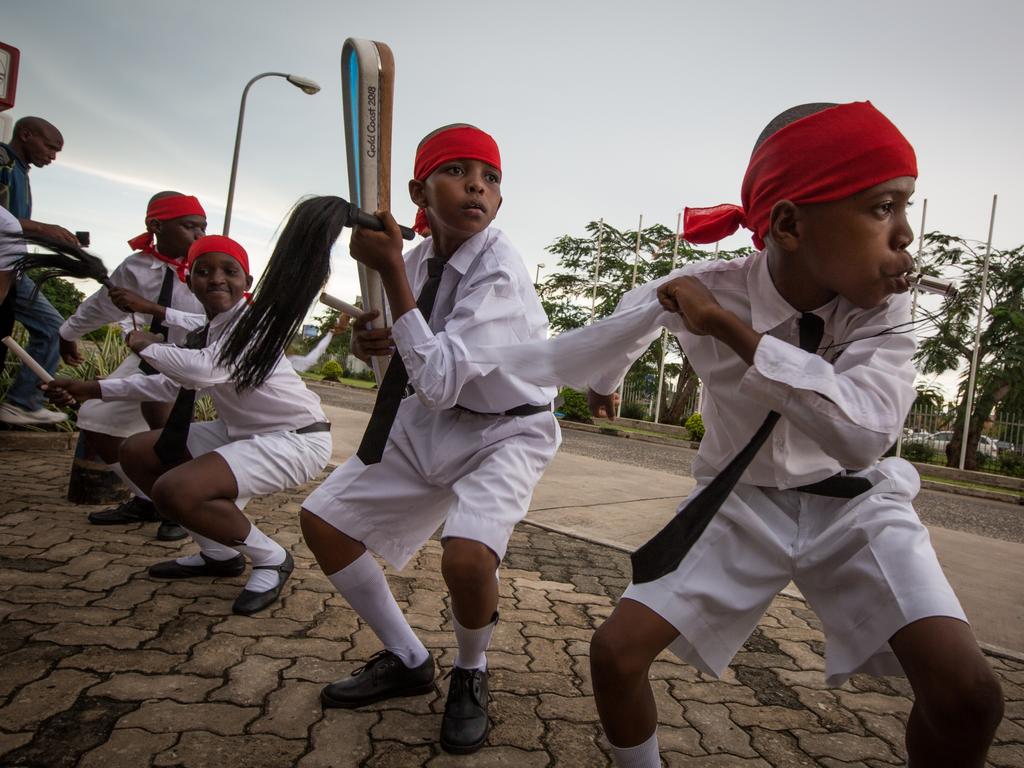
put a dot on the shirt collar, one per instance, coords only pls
(17, 159)
(768, 309)
(463, 258)
(229, 316)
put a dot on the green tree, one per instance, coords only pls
(568, 293)
(59, 292)
(1001, 349)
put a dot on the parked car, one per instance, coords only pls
(939, 440)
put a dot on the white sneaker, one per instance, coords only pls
(12, 414)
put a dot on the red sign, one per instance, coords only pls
(9, 56)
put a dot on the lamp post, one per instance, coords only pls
(536, 278)
(303, 83)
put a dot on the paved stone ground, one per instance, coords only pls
(101, 667)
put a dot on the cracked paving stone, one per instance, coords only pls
(44, 698)
(250, 681)
(61, 740)
(767, 687)
(576, 744)
(340, 739)
(136, 687)
(845, 746)
(98, 659)
(200, 749)
(128, 747)
(718, 732)
(171, 717)
(290, 710)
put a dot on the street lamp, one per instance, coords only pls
(536, 279)
(303, 83)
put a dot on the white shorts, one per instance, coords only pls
(474, 473)
(865, 565)
(265, 463)
(118, 418)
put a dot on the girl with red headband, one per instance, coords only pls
(466, 451)
(146, 284)
(265, 439)
(804, 342)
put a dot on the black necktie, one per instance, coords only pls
(663, 553)
(392, 388)
(172, 444)
(164, 300)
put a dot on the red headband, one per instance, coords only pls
(165, 209)
(217, 244)
(823, 157)
(462, 142)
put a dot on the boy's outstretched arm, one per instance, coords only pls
(704, 316)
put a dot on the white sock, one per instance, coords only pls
(212, 549)
(363, 584)
(262, 550)
(644, 755)
(117, 470)
(473, 644)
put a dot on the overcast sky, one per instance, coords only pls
(601, 109)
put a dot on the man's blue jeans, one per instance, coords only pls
(43, 323)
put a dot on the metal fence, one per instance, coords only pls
(926, 433)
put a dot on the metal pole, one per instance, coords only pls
(977, 338)
(636, 253)
(536, 277)
(597, 270)
(238, 143)
(636, 262)
(913, 300)
(664, 332)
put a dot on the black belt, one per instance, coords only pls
(519, 410)
(320, 426)
(838, 486)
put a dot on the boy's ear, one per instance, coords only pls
(417, 192)
(248, 282)
(500, 201)
(153, 225)
(784, 229)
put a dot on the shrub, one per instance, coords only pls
(574, 406)
(332, 371)
(916, 452)
(636, 411)
(695, 426)
(1011, 464)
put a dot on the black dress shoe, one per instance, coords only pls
(169, 531)
(384, 676)
(135, 510)
(250, 602)
(465, 723)
(172, 569)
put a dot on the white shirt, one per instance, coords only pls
(144, 275)
(282, 403)
(840, 410)
(485, 298)
(11, 249)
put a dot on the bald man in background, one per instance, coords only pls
(35, 142)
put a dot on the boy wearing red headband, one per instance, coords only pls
(465, 451)
(826, 196)
(266, 439)
(148, 285)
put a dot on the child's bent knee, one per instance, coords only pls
(612, 655)
(970, 703)
(467, 560)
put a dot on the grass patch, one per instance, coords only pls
(357, 383)
(966, 484)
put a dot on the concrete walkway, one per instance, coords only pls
(623, 507)
(103, 667)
